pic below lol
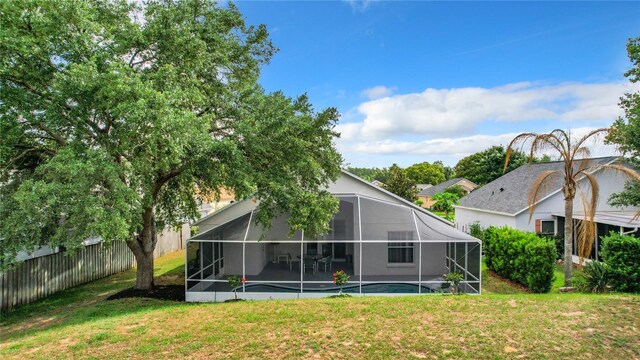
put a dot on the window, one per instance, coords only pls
(312, 248)
(548, 227)
(400, 252)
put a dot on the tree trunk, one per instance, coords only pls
(142, 246)
(568, 241)
(144, 272)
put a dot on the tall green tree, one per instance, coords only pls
(115, 118)
(426, 173)
(625, 132)
(371, 174)
(487, 165)
(448, 171)
(400, 184)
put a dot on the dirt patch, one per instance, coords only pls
(160, 292)
(511, 282)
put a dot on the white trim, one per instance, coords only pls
(483, 210)
(219, 211)
(288, 241)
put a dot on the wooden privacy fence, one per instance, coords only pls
(42, 276)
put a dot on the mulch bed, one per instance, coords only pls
(160, 292)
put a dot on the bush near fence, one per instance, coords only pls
(523, 257)
(621, 253)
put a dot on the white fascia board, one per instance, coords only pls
(485, 211)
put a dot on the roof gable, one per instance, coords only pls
(442, 186)
(509, 193)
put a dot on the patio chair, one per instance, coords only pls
(310, 264)
(325, 261)
(293, 260)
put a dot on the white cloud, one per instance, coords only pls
(359, 5)
(377, 92)
(457, 148)
(444, 112)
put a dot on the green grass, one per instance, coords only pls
(504, 322)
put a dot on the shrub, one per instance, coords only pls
(340, 278)
(621, 253)
(596, 277)
(520, 256)
(476, 231)
(235, 282)
(454, 279)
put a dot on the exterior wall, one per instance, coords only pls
(348, 185)
(609, 182)
(375, 262)
(233, 211)
(467, 185)
(466, 217)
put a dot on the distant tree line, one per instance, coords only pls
(481, 168)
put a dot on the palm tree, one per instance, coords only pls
(577, 167)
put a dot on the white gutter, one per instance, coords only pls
(483, 210)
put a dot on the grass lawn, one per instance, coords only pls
(502, 323)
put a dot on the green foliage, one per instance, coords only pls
(476, 231)
(419, 202)
(235, 282)
(108, 125)
(457, 190)
(445, 201)
(596, 277)
(400, 184)
(447, 170)
(426, 173)
(520, 256)
(371, 174)
(625, 132)
(485, 166)
(621, 253)
(454, 278)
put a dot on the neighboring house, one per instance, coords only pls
(207, 207)
(425, 194)
(386, 245)
(504, 201)
(423, 186)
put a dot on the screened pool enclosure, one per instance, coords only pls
(384, 247)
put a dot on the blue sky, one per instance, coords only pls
(426, 81)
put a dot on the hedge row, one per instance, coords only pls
(520, 256)
(621, 253)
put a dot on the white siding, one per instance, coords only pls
(466, 217)
(609, 183)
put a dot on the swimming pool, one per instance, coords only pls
(377, 288)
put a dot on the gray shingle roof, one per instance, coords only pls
(440, 187)
(509, 193)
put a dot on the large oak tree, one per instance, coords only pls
(115, 117)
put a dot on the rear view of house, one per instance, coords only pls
(384, 243)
